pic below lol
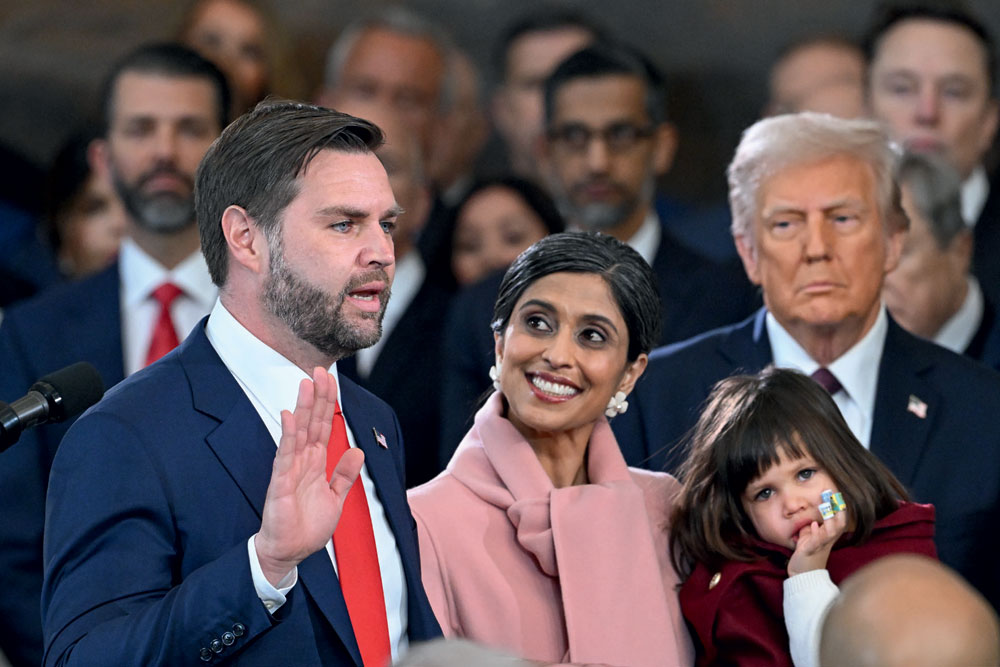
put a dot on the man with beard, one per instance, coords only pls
(163, 105)
(211, 545)
(607, 141)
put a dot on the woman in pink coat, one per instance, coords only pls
(537, 538)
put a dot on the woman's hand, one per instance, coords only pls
(815, 543)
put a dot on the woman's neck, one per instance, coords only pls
(562, 455)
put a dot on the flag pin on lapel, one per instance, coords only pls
(917, 407)
(380, 439)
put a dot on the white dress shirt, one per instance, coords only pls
(646, 240)
(975, 191)
(856, 370)
(406, 282)
(139, 275)
(271, 382)
(961, 328)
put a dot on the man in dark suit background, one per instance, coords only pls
(202, 549)
(932, 80)
(163, 105)
(607, 140)
(407, 359)
(932, 292)
(817, 223)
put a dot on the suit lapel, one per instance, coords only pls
(746, 348)
(905, 405)
(246, 450)
(379, 461)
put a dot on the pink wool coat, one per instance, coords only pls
(580, 574)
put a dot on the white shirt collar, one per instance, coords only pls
(141, 274)
(646, 240)
(856, 369)
(961, 328)
(975, 191)
(268, 378)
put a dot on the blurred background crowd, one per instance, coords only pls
(491, 146)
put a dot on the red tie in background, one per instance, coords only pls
(357, 560)
(164, 335)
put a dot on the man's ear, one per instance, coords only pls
(988, 128)
(501, 111)
(894, 248)
(748, 255)
(664, 148)
(247, 243)
(97, 158)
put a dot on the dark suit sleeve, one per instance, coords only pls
(23, 479)
(116, 589)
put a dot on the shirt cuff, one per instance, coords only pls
(272, 597)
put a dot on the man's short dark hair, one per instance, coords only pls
(609, 59)
(547, 19)
(167, 59)
(255, 162)
(889, 14)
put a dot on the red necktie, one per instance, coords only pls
(357, 560)
(164, 335)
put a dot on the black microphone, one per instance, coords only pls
(64, 393)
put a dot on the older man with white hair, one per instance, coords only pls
(818, 224)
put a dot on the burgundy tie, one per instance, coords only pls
(357, 560)
(827, 380)
(164, 336)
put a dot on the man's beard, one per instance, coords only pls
(161, 212)
(317, 317)
(602, 216)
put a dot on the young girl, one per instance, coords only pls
(748, 529)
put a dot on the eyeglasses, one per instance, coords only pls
(619, 138)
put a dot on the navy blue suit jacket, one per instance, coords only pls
(154, 493)
(78, 321)
(950, 458)
(985, 345)
(986, 242)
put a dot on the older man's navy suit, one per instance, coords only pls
(153, 495)
(950, 456)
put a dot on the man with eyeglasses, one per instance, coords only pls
(607, 141)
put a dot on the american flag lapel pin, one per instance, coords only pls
(380, 439)
(917, 407)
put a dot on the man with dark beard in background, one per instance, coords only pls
(163, 105)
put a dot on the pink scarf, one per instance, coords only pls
(596, 538)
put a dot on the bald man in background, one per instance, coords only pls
(913, 611)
